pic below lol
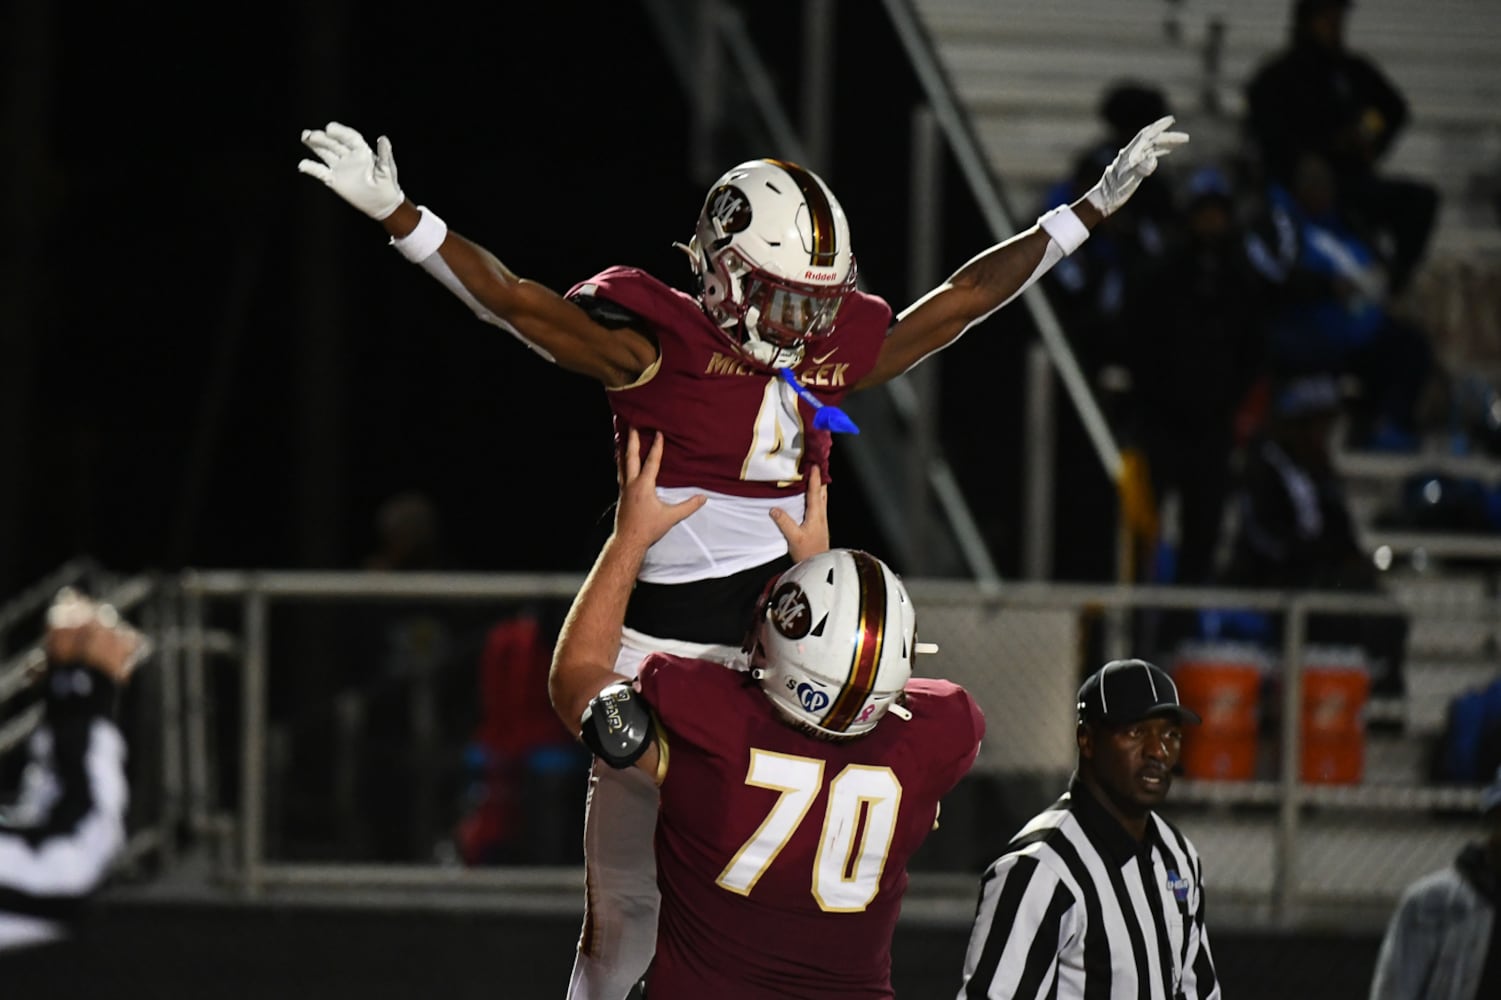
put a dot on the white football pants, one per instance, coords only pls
(620, 867)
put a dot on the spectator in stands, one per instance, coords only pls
(1090, 286)
(409, 665)
(1295, 528)
(1331, 299)
(1296, 531)
(407, 535)
(1315, 96)
(58, 842)
(1444, 941)
(1195, 349)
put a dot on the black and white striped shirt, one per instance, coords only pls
(62, 837)
(1077, 909)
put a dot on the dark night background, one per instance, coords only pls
(210, 360)
(207, 359)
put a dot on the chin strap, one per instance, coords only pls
(825, 417)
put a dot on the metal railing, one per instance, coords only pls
(36, 597)
(254, 593)
(1018, 648)
(1002, 613)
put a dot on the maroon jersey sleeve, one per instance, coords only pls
(952, 727)
(728, 426)
(691, 698)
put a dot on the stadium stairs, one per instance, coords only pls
(1031, 76)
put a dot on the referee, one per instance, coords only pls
(1098, 896)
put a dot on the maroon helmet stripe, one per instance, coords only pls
(825, 239)
(860, 681)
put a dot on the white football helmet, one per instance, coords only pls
(833, 643)
(772, 254)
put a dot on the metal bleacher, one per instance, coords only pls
(1030, 78)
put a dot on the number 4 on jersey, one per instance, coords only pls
(858, 825)
(776, 448)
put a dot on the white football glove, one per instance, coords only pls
(1136, 160)
(364, 178)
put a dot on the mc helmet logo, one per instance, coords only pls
(730, 208)
(789, 611)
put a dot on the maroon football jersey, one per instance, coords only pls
(782, 858)
(719, 410)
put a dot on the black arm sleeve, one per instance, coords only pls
(617, 726)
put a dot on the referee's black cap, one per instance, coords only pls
(1125, 691)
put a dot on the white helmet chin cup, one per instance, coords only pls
(772, 251)
(834, 641)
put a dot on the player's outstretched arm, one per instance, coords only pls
(542, 319)
(996, 276)
(584, 661)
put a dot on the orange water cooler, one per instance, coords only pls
(1336, 687)
(1221, 681)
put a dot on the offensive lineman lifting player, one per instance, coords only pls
(825, 766)
(744, 381)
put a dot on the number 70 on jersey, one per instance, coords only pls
(858, 824)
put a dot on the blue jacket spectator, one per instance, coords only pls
(1331, 295)
(1316, 96)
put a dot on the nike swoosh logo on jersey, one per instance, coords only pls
(819, 361)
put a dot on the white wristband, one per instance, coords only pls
(1065, 229)
(424, 241)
